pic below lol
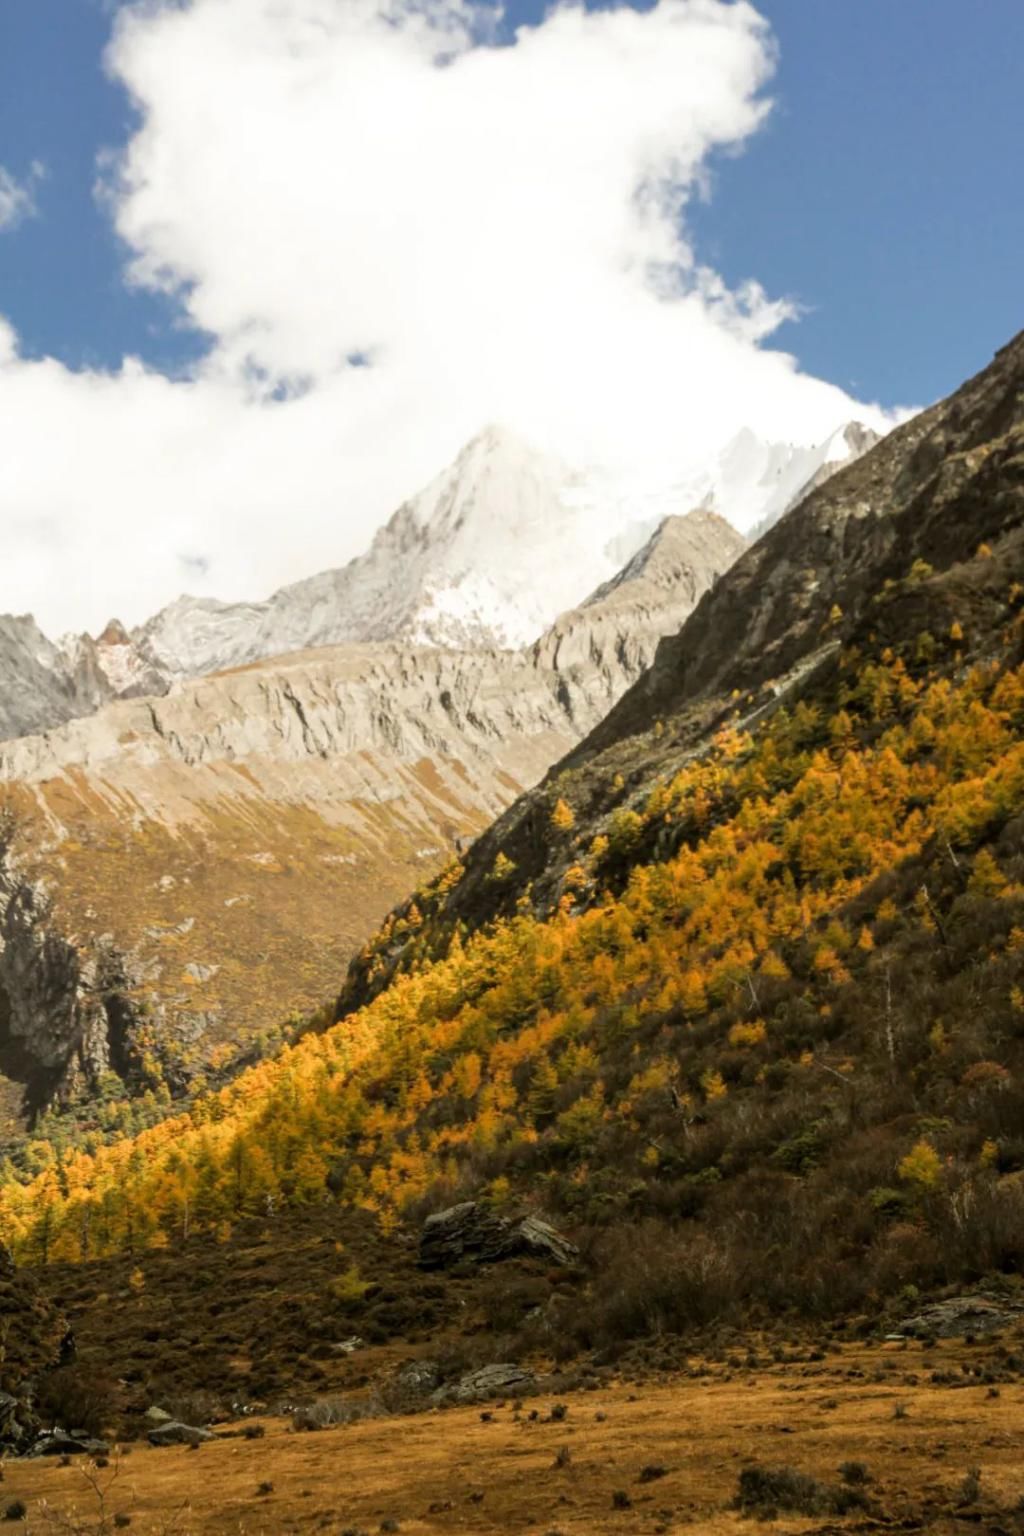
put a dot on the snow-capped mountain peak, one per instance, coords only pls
(488, 555)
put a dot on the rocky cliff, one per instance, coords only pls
(192, 869)
(43, 684)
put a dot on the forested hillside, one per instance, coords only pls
(759, 1029)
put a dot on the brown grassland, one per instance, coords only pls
(638, 1453)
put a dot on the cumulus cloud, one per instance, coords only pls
(18, 198)
(395, 227)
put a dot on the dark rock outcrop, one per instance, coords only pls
(470, 1231)
(64, 1008)
(958, 1316)
(59, 1443)
(489, 1381)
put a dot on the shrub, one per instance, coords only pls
(77, 1397)
(332, 1410)
(562, 818)
(652, 1280)
(921, 1167)
(763, 1489)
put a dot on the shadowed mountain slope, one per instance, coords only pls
(888, 545)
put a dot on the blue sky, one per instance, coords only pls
(886, 194)
(597, 236)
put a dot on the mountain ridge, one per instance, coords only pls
(842, 559)
(489, 554)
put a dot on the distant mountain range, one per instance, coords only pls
(489, 555)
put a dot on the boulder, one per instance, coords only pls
(347, 1346)
(540, 1240)
(58, 1443)
(178, 1434)
(471, 1231)
(488, 1381)
(958, 1316)
(462, 1231)
(155, 1415)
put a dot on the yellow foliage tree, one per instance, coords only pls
(562, 818)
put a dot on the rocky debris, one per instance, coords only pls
(156, 1415)
(958, 1316)
(200, 973)
(173, 1433)
(60, 1443)
(488, 1381)
(347, 1346)
(470, 1231)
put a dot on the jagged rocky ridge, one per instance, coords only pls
(43, 684)
(840, 565)
(487, 556)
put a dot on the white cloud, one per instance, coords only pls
(18, 198)
(500, 231)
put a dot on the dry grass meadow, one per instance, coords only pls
(662, 1454)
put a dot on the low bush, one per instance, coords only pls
(763, 1489)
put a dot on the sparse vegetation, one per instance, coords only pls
(765, 1491)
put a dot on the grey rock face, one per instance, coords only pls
(62, 1009)
(488, 1382)
(541, 1241)
(43, 684)
(958, 1316)
(462, 1231)
(60, 1443)
(470, 1231)
(178, 1434)
(417, 1377)
(614, 634)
